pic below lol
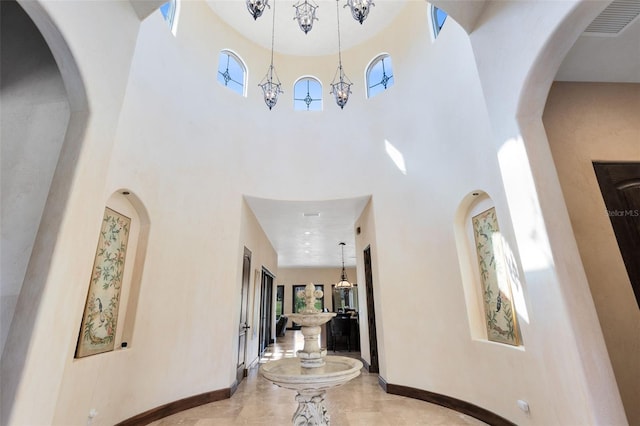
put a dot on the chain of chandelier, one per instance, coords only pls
(305, 15)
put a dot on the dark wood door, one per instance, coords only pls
(243, 326)
(266, 316)
(620, 186)
(371, 313)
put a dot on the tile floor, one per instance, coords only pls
(359, 402)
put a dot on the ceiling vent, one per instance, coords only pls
(614, 18)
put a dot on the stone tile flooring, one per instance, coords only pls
(359, 402)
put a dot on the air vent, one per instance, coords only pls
(614, 18)
(314, 214)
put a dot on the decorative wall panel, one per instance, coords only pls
(500, 314)
(98, 330)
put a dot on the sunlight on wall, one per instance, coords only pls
(396, 156)
(523, 204)
(513, 279)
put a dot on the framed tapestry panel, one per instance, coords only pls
(98, 330)
(500, 313)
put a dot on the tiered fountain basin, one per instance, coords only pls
(290, 374)
(312, 372)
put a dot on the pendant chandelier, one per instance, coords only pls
(341, 85)
(256, 7)
(344, 282)
(305, 14)
(270, 84)
(360, 9)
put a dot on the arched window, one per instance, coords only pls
(438, 17)
(379, 75)
(169, 12)
(231, 71)
(307, 94)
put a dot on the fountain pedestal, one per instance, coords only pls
(312, 372)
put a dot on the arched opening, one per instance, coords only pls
(552, 108)
(44, 110)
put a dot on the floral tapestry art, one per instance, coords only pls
(98, 330)
(500, 315)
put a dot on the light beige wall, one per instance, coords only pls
(263, 255)
(588, 122)
(367, 238)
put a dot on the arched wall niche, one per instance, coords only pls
(473, 203)
(124, 201)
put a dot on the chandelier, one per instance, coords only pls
(270, 84)
(305, 14)
(341, 85)
(360, 9)
(256, 7)
(344, 282)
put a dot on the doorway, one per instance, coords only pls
(374, 367)
(620, 186)
(266, 316)
(243, 326)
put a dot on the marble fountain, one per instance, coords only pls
(312, 373)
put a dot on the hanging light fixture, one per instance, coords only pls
(360, 9)
(256, 7)
(341, 85)
(344, 282)
(270, 84)
(305, 14)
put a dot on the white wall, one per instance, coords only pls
(190, 149)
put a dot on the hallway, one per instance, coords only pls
(359, 402)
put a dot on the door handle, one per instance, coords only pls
(246, 326)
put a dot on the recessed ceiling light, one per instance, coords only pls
(307, 233)
(307, 244)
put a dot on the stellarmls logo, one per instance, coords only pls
(618, 213)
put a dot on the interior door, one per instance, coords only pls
(620, 186)
(266, 315)
(243, 326)
(374, 367)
